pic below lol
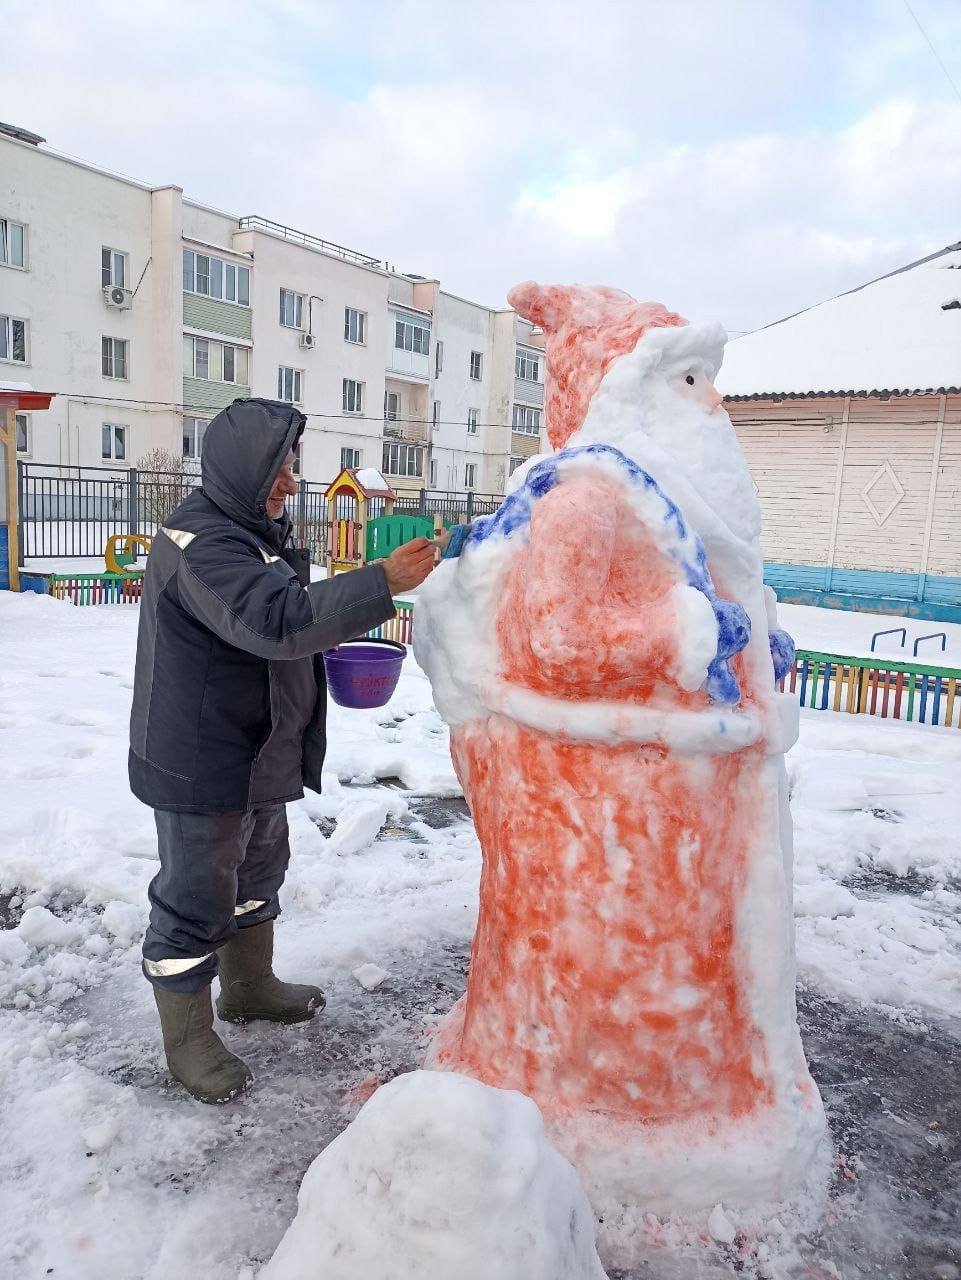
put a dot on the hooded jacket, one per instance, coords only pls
(229, 703)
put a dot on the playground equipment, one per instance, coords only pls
(121, 552)
(891, 631)
(364, 673)
(359, 532)
(14, 398)
(349, 501)
(935, 635)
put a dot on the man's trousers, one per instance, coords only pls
(219, 872)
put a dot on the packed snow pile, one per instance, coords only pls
(443, 1178)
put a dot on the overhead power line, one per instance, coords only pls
(947, 74)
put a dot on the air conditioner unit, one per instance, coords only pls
(308, 340)
(115, 296)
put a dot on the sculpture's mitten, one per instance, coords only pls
(733, 634)
(782, 653)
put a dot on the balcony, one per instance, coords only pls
(408, 345)
(529, 392)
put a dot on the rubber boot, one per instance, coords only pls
(248, 988)
(196, 1055)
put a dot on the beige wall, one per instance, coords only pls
(812, 460)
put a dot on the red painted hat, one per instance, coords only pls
(587, 328)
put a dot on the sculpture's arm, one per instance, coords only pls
(594, 619)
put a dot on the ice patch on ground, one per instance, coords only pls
(442, 1177)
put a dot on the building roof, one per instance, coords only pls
(898, 335)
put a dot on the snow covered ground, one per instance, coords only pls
(841, 631)
(108, 1171)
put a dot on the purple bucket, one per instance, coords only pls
(364, 673)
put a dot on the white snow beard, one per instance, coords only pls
(637, 410)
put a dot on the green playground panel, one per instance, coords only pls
(386, 533)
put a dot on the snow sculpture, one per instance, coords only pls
(440, 1177)
(606, 654)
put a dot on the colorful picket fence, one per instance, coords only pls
(399, 628)
(877, 687)
(96, 588)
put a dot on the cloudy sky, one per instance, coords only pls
(737, 159)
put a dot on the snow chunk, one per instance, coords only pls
(13, 950)
(720, 1225)
(358, 826)
(370, 976)
(41, 928)
(440, 1176)
(824, 898)
(124, 921)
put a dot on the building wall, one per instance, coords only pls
(71, 212)
(463, 327)
(859, 496)
(60, 296)
(333, 284)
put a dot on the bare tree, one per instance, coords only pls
(164, 481)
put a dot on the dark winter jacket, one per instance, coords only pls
(229, 698)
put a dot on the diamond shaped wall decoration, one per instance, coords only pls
(882, 493)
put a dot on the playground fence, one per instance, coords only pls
(70, 512)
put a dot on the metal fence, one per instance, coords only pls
(70, 512)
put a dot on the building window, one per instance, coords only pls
(291, 309)
(13, 239)
(527, 366)
(433, 473)
(194, 431)
(13, 339)
(435, 414)
(214, 278)
(355, 325)
(349, 458)
(353, 398)
(290, 385)
(470, 475)
(216, 361)
(236, 364)
(113, 268)
(23, 432)
(113, 354)
(438, 357)
(527, 420)
(412, 335)
(403, 460)
(472, 422)
(391, 406)
(476, 365)
(514, 464)
(113, 442)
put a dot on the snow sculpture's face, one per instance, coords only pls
(663, 393)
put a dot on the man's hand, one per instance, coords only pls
(408, 566)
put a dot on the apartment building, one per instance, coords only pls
(148, 313)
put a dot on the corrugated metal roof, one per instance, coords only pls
(897, 335)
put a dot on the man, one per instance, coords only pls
(228, 724)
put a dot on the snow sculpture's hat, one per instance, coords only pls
(588, 327)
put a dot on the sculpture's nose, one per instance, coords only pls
(712, 398)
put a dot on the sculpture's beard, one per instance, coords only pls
(702, 448)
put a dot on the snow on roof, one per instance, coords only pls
(371, 479)
(899, 334)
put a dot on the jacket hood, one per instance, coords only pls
(244, 448)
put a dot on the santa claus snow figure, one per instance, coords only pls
(606, 654)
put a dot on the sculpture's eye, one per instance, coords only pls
(690, 379)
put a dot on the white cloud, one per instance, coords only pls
(737, 160)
